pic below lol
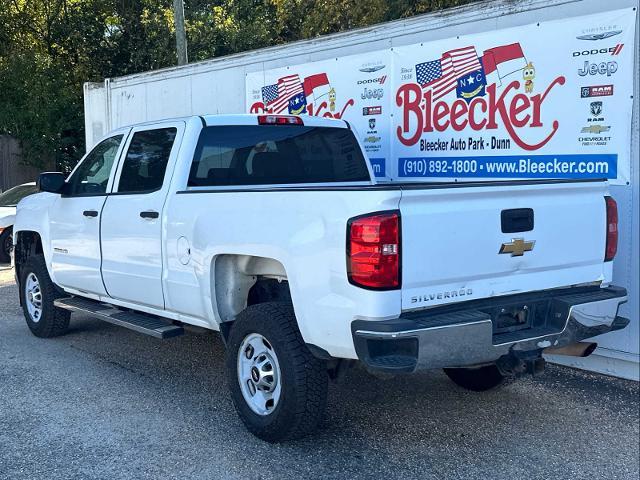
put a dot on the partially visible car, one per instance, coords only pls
(8, 202)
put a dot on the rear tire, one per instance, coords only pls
(477, 379)
(37, 293)
(278, 387)
(6, 245)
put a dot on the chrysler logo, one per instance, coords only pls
(599, 36)
(517, 247)
(372, 69)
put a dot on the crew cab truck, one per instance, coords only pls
(272, 230)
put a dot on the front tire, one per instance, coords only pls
(37, 294)
(476, 379)
(278, 387)
(6, 245)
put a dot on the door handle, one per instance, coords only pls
(149, 214)
(90, 213)
(516, 220)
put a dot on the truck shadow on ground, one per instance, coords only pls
(172, 394)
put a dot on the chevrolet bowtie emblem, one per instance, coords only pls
(517, 247)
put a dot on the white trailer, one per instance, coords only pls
(219, 86)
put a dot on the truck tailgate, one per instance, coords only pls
(452, 238)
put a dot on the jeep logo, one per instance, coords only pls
(369, 93)
(602, 68)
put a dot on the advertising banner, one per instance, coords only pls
(546, 100)
(354, 88)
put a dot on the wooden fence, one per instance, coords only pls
(12, 171)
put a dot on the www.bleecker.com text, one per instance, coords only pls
(505, 167)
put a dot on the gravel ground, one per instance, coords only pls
(104, 402)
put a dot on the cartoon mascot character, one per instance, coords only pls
(332, 99)
(529, 74)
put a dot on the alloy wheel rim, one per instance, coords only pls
(259, 374)
(33, 297)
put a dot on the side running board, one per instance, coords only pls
(140, 322)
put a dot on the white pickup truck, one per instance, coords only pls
(273, 231)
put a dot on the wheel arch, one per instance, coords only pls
(238, 281)
(26, 244)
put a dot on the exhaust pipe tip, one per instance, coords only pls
(591, 347)
(580, 349)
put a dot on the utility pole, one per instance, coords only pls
(181, 35)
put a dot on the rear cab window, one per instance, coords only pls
(276, 155)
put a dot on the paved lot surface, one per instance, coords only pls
(103, 402)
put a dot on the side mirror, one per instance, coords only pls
(52, 182)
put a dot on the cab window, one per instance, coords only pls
(146, 161)
(282, 154)
(92, 176)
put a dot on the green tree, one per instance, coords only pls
(49, 48)
(216, 28)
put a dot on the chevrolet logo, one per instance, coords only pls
(517, 247)
(595, 129)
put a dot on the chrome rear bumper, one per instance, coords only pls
(468, 335)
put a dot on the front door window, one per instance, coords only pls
(92, 176)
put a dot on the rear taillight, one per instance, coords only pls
(279, 120)
(373, 250)
(612, 229)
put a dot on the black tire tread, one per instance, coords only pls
(276, 321)
(54, 321)
(4, 258)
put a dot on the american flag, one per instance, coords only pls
(441, 75)
(277, 96)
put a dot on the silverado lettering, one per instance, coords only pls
(441, 295)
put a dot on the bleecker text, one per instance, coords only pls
(422, 115)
